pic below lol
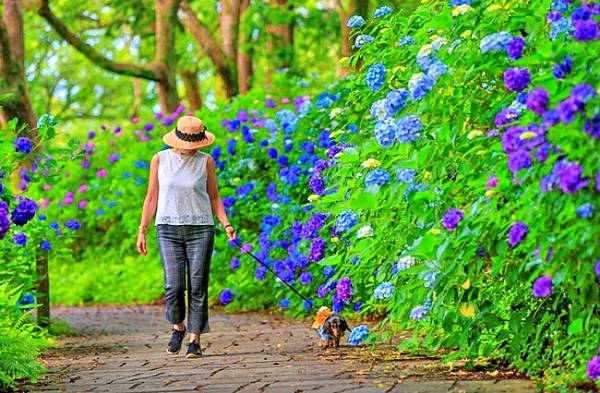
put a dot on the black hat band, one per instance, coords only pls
(190, 137)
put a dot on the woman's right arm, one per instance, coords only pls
(150, 203)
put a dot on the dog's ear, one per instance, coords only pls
(345, 326)
(327, 326)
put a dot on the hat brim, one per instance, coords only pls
(172, 140)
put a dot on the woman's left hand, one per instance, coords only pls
(231, 235)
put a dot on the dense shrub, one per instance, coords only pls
(449, 185)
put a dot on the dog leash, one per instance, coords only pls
(277, 275)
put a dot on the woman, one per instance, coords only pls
(183, 193)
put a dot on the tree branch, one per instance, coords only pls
(141, 71)
(222, 63)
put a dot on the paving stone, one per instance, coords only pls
(123, 349)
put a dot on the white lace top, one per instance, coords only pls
(182, 196)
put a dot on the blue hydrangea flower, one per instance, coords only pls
(355, 21)
(406, 40)
(345, 221)
(408, 129)
(284, 303)
(20, 239)
(72, 224)
(385, 131)
(362, 39)
(419, 312)
(328, 271)
(495, 42)
(22, 145)
(226, 296)
(395, 100)
(46, 119)
(436, 70)
(406, 175)
(377, 177)
(378, 110)
(45, 245)
(384, 290)
(382, 11)
(585, 211)
(375, 76)
(418, 85)
(357, 335)
(560, 26)
(456, 3)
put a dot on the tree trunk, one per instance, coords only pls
(282, 38)
(244, 56)
(355, 7)
(137, 96)
(192, 88)
(12, 68)
(166, 58)
(229, 26)
(223, 64)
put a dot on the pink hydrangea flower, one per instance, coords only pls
(82, 204)
(44, 203)
(101, 173)
(82, 188)
(47, 187)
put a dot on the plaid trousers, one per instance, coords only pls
(185, 251)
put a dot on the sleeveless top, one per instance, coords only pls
(182, 196)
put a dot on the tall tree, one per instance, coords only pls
(223, 54)
(244, 54)
(14, 94)
(281, 40)
(192, 88)
(162, 70)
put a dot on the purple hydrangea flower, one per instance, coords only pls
(537, 100)
(4, 221)
(316, 184)
(542, 287)
(234, 263)
(550, 118)
(586, 30)
(451, 219)
(23, 212)
(515, 47)
(597, 268)
(593, 368)
(561, 69)
(344, 289)
(518, 160)
(506, 116)
(592, 127)
(517, 233)
(516, 79)
(317, 249)
(568, 176)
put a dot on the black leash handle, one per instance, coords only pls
(268, 268)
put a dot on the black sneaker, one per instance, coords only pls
(174, 345)
(193, 350)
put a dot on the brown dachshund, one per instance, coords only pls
(335, 326)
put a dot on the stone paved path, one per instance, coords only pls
(122, 349)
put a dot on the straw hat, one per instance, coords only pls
(189, 133)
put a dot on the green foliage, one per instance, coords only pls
(21, 341)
